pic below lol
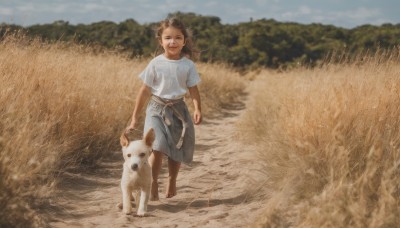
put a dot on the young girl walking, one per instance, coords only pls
(166, 80)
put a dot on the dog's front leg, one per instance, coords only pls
(136, 195)
(144, 198)
(126, 200)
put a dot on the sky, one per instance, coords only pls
(340, 13)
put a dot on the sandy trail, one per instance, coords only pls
(210, 191)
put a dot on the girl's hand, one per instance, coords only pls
(194, 93)
(131, 126)
(197, 117)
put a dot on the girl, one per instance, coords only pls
(166, 80)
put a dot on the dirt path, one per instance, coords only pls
(210, 192)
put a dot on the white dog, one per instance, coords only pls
(136, 175)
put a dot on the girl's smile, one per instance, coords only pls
(172, 40)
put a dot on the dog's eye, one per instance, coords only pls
(142, 155)
(129, 155)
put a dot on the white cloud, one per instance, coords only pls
(337, 12)
(305, 10)
(362, 14)
(26, 7)
(301, 12)
(6, 12)
(42, 8)
(211, 4)
(93, 7)
(350, 17)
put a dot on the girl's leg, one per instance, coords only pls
(173, 169)
(155, 160)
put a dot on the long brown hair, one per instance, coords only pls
(188, 49)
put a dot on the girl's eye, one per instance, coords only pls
(142, 155)
(129, 155)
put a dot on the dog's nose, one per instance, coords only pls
(134, 166)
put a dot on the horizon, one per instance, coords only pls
(338, 13)
(144, 23)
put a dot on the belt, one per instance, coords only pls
(170, 103)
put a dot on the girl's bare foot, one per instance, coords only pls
(154, 191)
(173, 169)
(171, 188)
(170, 195)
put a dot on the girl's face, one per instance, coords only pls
(172, 40)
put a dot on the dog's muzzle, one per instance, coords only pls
(134, 167)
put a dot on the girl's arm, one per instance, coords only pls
(195, 94)
(142, 96)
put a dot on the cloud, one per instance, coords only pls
(337, 12)
(350, 17)
(37, 8)
(353, 17)
(211, 4)
(6, 12)
(300, 12)
(361, 14)
(305, 10)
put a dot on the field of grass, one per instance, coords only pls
(328, 140)
(62, 107)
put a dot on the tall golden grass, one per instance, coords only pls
(62, 107)
(329, 142)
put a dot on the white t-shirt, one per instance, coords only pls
(170, 79)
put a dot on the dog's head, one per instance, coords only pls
(136, 153)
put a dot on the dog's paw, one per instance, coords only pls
(141, 213)
(128, 212)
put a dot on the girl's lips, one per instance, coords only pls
(173, 49)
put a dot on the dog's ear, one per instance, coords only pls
(124, 140)
(149, 137)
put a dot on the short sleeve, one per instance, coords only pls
(148, 75)
(194, 77)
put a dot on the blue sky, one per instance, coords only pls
(341, 13)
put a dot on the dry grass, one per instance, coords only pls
(63, 107)
(329, 143)
(220, 87)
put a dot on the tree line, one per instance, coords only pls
(258, 43)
